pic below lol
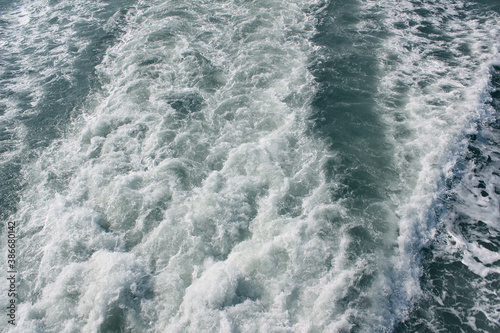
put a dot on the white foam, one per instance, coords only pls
(194, 160)
(443, 97)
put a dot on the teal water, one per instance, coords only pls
(251, 166)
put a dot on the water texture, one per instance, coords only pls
(251, 166)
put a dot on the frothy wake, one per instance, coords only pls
(188, 197)
(191, 193)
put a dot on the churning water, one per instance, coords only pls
(251, 166)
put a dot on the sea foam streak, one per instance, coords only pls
(432, 96)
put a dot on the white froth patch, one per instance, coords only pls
(190, 168)
(91, 295)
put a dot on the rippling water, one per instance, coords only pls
(251, 166)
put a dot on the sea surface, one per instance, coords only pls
(250, 166)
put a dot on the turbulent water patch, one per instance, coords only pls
(49, 51)
(461, 268)
(191, 174)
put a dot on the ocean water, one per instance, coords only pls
(250, 166)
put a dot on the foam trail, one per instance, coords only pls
(432, 96)
(462, 269)
(192, 168)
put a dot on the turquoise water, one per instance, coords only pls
(251, 166)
